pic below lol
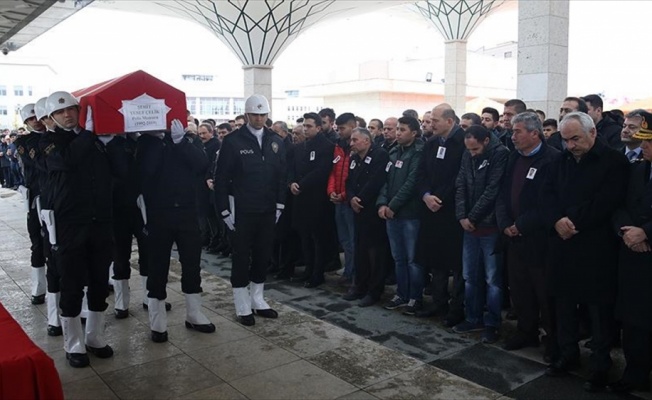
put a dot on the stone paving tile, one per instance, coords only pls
(427, 382)
(225, 331)
(308, 338)
(364, 363)
(560, 388)
(222, 391)
(161, 379)
(490, 367)
(298, 380)
(238, 359)
(132, 346)
(359, 395)
(89, 388)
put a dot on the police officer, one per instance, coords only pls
(169, 167)
(252, 159)
(27, 146)
(80, 173)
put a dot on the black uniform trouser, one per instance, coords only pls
(602, 321)
(527, 281)
(52, 272)
(84, 256)
(315, 245)
(371, 257)
(637, 347)
(441, 265)
(166, 227)
(253, 243)
(36, 237)
(127, 223)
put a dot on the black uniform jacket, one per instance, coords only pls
(81, 171)
(28, 150)
(312, 164)
(634, 304)
(255, 176)
(366, 177)
(531, 244)
(169, 172)
(588, 192)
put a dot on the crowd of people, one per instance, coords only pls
(479, 213)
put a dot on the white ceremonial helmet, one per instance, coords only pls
(58, 101)
(256, 104)
(27, 112)
(39, 109)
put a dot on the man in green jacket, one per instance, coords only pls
(399, 204)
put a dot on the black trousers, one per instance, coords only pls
(36, 237)
(602, 321)
(527, 281)
(253, 242)
(8, 177)
(637, 347)
(441, 265)
(166, 227)
(83, 258)
(52, 274)
(315, 245)
(371, 256)
(127, 223)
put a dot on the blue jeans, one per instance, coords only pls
(402, 240)
(482, 273)
(345, 233)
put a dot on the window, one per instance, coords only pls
(213, 106)
(508, 54)
(18, 90)
(3, 90)
(192, 105)
(292, 93)
(29, 91)
(238, 106)
(3, 110)
(200, 78)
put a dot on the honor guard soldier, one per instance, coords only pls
(169, 167)
(27, 146)
(80, 172)
(52, 274)
(252, 163)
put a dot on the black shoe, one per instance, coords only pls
(413, 307)
(625, 387)
(168, 306)
(204, 328)
(367, 301)
(40, 299)
(452, 320)
(313, 283)
(511, 315)
(562, 366)
(521, 340)
(101, 352)
(283, 276)
(159, 337)
(121, 314)
(597, 382)
(352, 295)
(247, 320)
(432, 311)
(54, 330)
(299, 278)
(267, 313)
(78, 360)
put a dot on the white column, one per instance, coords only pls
(455, 75)
(258, 80)
(543, 54)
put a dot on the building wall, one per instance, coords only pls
(34, 80)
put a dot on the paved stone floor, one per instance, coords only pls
(321, 347)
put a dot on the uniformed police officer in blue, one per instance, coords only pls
(251, 167)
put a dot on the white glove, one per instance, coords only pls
(227, 217)
(176, 131)
(279, 210)
(106, 138)
(89, 119)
